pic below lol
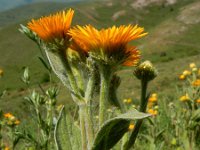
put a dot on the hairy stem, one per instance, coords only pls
(105, 75)
(83, 131)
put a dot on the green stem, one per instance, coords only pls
(83, 131)
(105, 75)
(143, 106)
(89, 128)
(71, 78)
(79, 78)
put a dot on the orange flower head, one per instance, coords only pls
(53, 27)
(109, 45)
(153, 98)
(198, 101)
(196, 82)
(8, 115)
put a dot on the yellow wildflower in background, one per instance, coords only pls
(186, 73)
(131, 126)
(150, 105)
(128, 100)
(152, 112)
(17, 122)
(153, 98)
(182, 77)
(196, 82)
(194, 69)
(6, 148)
(184, 98)
(192, 65)
(198, 101)
(54, 26)
(1, 72)
(109, 45)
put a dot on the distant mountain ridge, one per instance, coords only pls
(28, 11)
(9, 4)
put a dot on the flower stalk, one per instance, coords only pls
(105, 75)
(82, 127)
(143, 106)
(145, 72)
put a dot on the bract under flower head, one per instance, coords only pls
(109, 45)
(53, 27)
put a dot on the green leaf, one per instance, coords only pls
(61, 133)
(114, 129)
(58, 66)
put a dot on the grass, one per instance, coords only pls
(162, 46)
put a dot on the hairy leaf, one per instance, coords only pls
(114, 129)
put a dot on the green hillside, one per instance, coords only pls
(172, 42)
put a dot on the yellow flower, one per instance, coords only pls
(153, 98)
(198, 101)
(150, 104)
(196, 82)
(131, 126)
(156, 107)
(152, 112)
(199, 72)
(173, 141)
(194, 69)
(53, 27)
(182, 77)
(184, 98)
(129, 100)
(186, 73)
(17, 122)
(1, 72)
(109, 45)
(192, 65)
(6, 148)
(125, 100)
(154, 95)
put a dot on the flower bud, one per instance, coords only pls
(145, 71)
(28, 33)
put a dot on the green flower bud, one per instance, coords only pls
(145, 71)
(28, 33)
